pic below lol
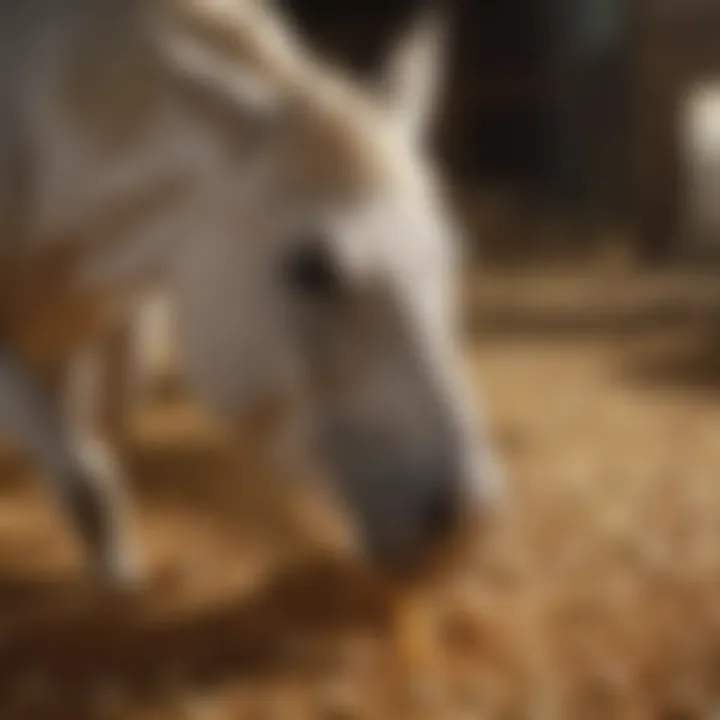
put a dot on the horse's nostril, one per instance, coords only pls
(440, 512)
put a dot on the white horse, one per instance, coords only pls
(198, 150)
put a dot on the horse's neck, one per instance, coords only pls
(99, 228)
(100, 199)
(102, 132)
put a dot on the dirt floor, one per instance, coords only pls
(598, 596)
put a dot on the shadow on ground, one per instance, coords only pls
(74, 651)
(588, 303)
(666, 329)
(691, 362)
(585, 324)
(66, 651)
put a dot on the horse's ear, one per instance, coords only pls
(411, 78)
(223, 82)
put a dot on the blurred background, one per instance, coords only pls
(591, 113)
(581, 139)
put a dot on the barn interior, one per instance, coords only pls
(581, 139)
(561, 112)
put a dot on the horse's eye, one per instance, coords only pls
(312, 271)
